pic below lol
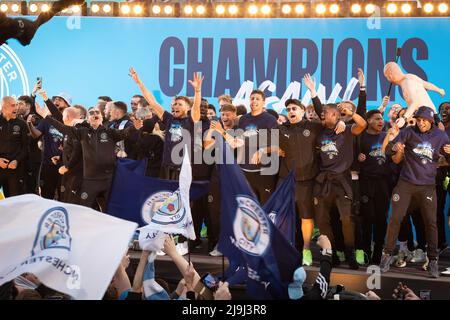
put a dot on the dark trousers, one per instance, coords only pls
(95, 192)
(336, 197)
(262, 185)
(70, 187)
(10, 180)
(374, 211)
(213, 219)
(413, 216)
(31, 177)
(425, 196)
(50, 181)
(336, 226)
(441, 194)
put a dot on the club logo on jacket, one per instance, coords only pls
(306, 133)
(53, 231)
(164, 207)
(251, 227)
(329, 148)
(425, 152)
(103, 137)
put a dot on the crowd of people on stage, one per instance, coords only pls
(351, 165)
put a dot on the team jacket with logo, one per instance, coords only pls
(14, 139)
(98, 147)
(422, 152)
(298, 141)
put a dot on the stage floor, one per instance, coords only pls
(412, 275)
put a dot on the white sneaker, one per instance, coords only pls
(182, 248)
(418, 256)
(215, 252)
(160, 253)
(446, 272)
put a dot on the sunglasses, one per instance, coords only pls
(291, 109)
(94, 112)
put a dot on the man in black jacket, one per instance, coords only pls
(99, 158)
(303, 160)
(13, 147)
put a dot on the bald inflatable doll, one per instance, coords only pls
(414, 90)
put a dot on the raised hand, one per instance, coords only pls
(42, 111)
(310, 82)
(361, 77)
(133, 74)
(197, 82)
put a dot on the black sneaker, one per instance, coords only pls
(433, 269)
(194, 244)
(335, 261)
(351, 259)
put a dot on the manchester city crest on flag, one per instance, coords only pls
(163, 208)
(251, 227)
(53, 231)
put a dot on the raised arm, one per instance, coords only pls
(139, 275)
(51, 106)
(196, 83)
(360, 124)
(432, 87)
(384, 104)
(34, 133)
(390, 136)
(119, 135)
(70, 131)
(154, 105)
(361, 109)
(310, 83)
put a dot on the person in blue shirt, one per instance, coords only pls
(420, 148)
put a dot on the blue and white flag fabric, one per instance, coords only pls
(249, 238)
(138, 198)
(72, 249)
(281, 208)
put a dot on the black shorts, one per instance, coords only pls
(304, 198)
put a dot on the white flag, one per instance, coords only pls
(174, 214)
(72, 249)
(151, 240)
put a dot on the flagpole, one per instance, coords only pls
(189, 253)
(223, 267)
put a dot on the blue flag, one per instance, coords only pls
(249, 238)
(281, 208)
(135, 197)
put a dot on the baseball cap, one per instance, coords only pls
(294, 101)
(425, 113)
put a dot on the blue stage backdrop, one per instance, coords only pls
(88, 57)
